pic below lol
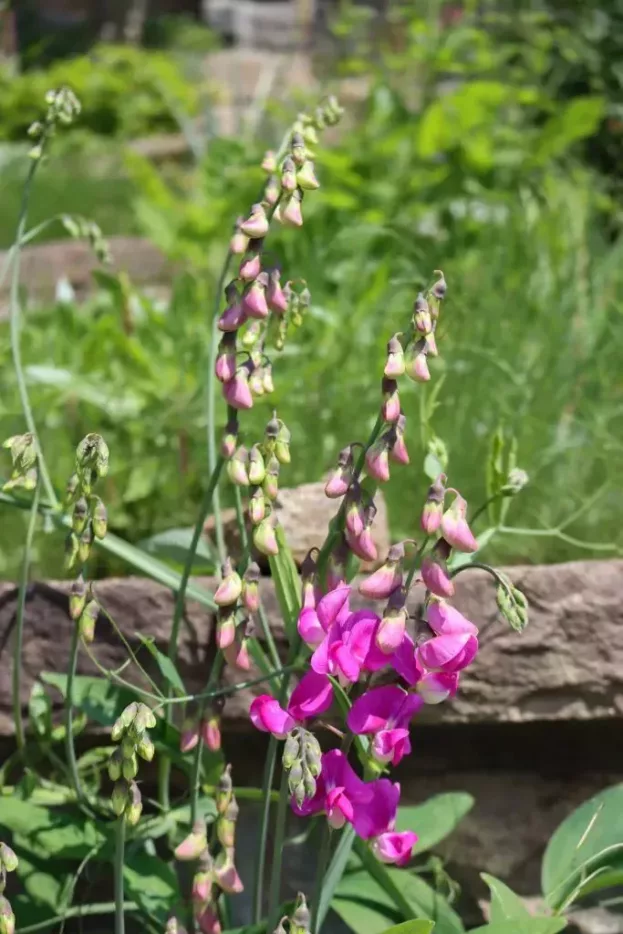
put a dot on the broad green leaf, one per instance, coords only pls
(435, 819)
(42, 888)
(591, 838)
(167, 669)
(363, 905)
(174, 545)
(411, 927)
(504, 903)
(152, 883)
(40, 711)
(98, 698)
(432, 466)
(523, 926)
(287, 585)
(45, 832)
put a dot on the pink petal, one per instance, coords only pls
(394, 847)
(309, 627)
(373, 710)
(436, 686)
(343, 663)
(330, 605)
(379, 814)
(445, 620)
(313, 695)
(436, 578)
(405, 661)
(267, 715)
(391, 745)
(382, 583)
(449, 653)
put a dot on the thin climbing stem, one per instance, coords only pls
(19, 624)
(260, 866)
(119, 860)
(70, 751)
(280, 831)
(78, 911)
(195, 782)
(321, 868)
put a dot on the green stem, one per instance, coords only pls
(164, 765)
(119, 859)
(195, 782)
(414, 564)
(69, 711)
(323, 859)
(280, 830)
(335, 872)
(19, 627)
(15, 322)
(267, 784)
(79, 911)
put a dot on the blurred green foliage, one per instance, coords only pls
(460, 157)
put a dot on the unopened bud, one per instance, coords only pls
(194, 844)
(392, 627)
(440, 287)
(290, 213)
(237, 467)
(264, 537)
(257, 507)
(226, 824)
(297, 148)
(512, 604)
(79, 515)
(211, 732)
(119, 797)
(390, 410)
(92, 453)
(257, 467)
(129, 767)
(250, 337)
(291, 751)
(146, 749)
(124, 721)
(301, 919)
(272, 190)
(71, 551)
(145, 719)
(114, 765)
(230, 588)
(269, 162)
(87, 621)
(84, 544)
(416, 366)
(254, 301)
(251, 264)
(8, 859)
(275, 295)
(306, 177)
(395, 363)
(229, 439)
(377, 460)
(134, 806)
(77, 597)
(421, 315)
(282, 444)
(225, 790)
(288, 175)
(433, 508)
(225, 628)
(256, 225)
(7, 918)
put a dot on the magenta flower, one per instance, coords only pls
(455, 529)
(448, 653)
(338, 792)
(379, 814)
(362, 545)
(386, 713)
(236, 391)
(377, 460)
(315, 621)
(405, 661)
(394, 847)
(445, 620)
(313, 695)
(254, 299)
(435, 575)
(345, 649)
(434, 687)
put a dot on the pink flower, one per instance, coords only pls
(377, 460)
(236, 391)
(314, 622)
(434, 687)
(394, 847)
(275, 295)
(250, 267)
(211, 732)
(379, 813)
(436, 578)
(455, 529)
(445, 619)
(339, 791)
(405, 662)
(346, 647)
(448, 653)
(189, 736)
(226, 874)
(254, 299)
(362, 545)
(208, 920)
(382, 583)
(385, 712)
(313, 695)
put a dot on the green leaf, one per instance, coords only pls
(590, 839)
(432, 466)
(287, 585)
(151, 883)
(45, 832)
(173, 545)
(523, 926)
(335, 871)
(98, 698)
(411, 927)
(435, 819)
(166, 666)
(504, 903)
(42, 888)
(40, 711)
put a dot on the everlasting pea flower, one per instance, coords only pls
(226, 874)
(455, 529)
(445, 620)
(339, 791)
(448, 653)
(394, 847)
(436, 578)
(382, 583)
(434, 687)
(386, 713)
(313, 695)
(314, 622)
(208, 920)
(433, 508)
(236, 391)
(345, 649)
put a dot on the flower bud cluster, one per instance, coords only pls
(299, 921)
(301, 760)
(234, 596)
(24, 472)
(8, 863)
(213, 874)
(89, 521)
(207, 727)
(63, 108)
(130, 731)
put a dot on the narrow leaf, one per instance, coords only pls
(335, 872)
(167, 669)
(287, 585)
(411, 927)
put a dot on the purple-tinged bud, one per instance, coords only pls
(226, 824)
(77, 597)
(229, 439)
(341, 478)
(398, 451)
(237, 467)
(202, 887)
(225, 365)
(434, 571)
(87, 621)
(354, 515)
(362, 545)
(234, 315)
(226, 874)
(381, 584)
(254, 298)
(237, 655)
(211, 732)
(80, 515)
(239, 241)
(377, 461)
(272, 190)
(390, 409)
(291, 751)
(230, 587)
(282, 444)
(306, 177)
(434, 687)
(290, 213)
(300, 922)
(236, 391)
(257, 507)
(194, 844)
(134, 806)
(455, 529)
(275, 296)
(257, 467)
(146, 749)
(288, 175)
(119, 797)
(7, 918)
(114, 765)
(84, 544)
(391, 631)
(225, 628)
(433, 507)
(298, 148)
(208, 919)
(440, 287)
(267, 379)
(129, 767)
(270, 486)
(8, 860)
(256, 225)
(269, 162)
(251, 265)
(189, 737)
(431, 345)
(224, 791)
(251, 589)
(264, 537)
(421, 315)
(395, 364)
(99, 517)
(416, 364)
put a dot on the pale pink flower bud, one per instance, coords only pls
(297, 148)
(239, 241)
(291, 214)
(267, 379)
(237, 655)
(250, 588)
(225, 365)
(455, 529)
(236, 391)
(272, 190)
(189, 737)
(7, 918)
(377, 461)
(434, 571)
(226, 874)
(251, 265)
(421, 315)
(234, 315)
(398, 451)
(431, 345)
(226, 824)
(211, 732)
(362, 545)
(202, 887)
(416, 365)
(269, 162)
(270, 486)
(229, 439)
(225, 628)
(230, 588)
(392, 627)
(238, 465)
(194, 844)
(288, 175)
(354, 515)
(440, 287)
(257, 507)
(254, 298)
(340, 479)
(395, 364)
(257, 467)
(434, 687)
(256, 225)
(275, 296)
(306, 177)
(433, 508)
(390, 409)
(264, 537)
(208, 920)
(382, 583)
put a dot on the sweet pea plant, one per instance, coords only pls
(364, 654)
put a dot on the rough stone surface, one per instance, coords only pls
(305, 512)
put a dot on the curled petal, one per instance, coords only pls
(267, 715)
(436, 686)
(394, 847)
(309, 627)
(379, 814)
(330, 606)
(406, 663)
(380, 707)
(449, 653)
(436, 578)
(446, 620)
(391, 745)
(313, 695)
